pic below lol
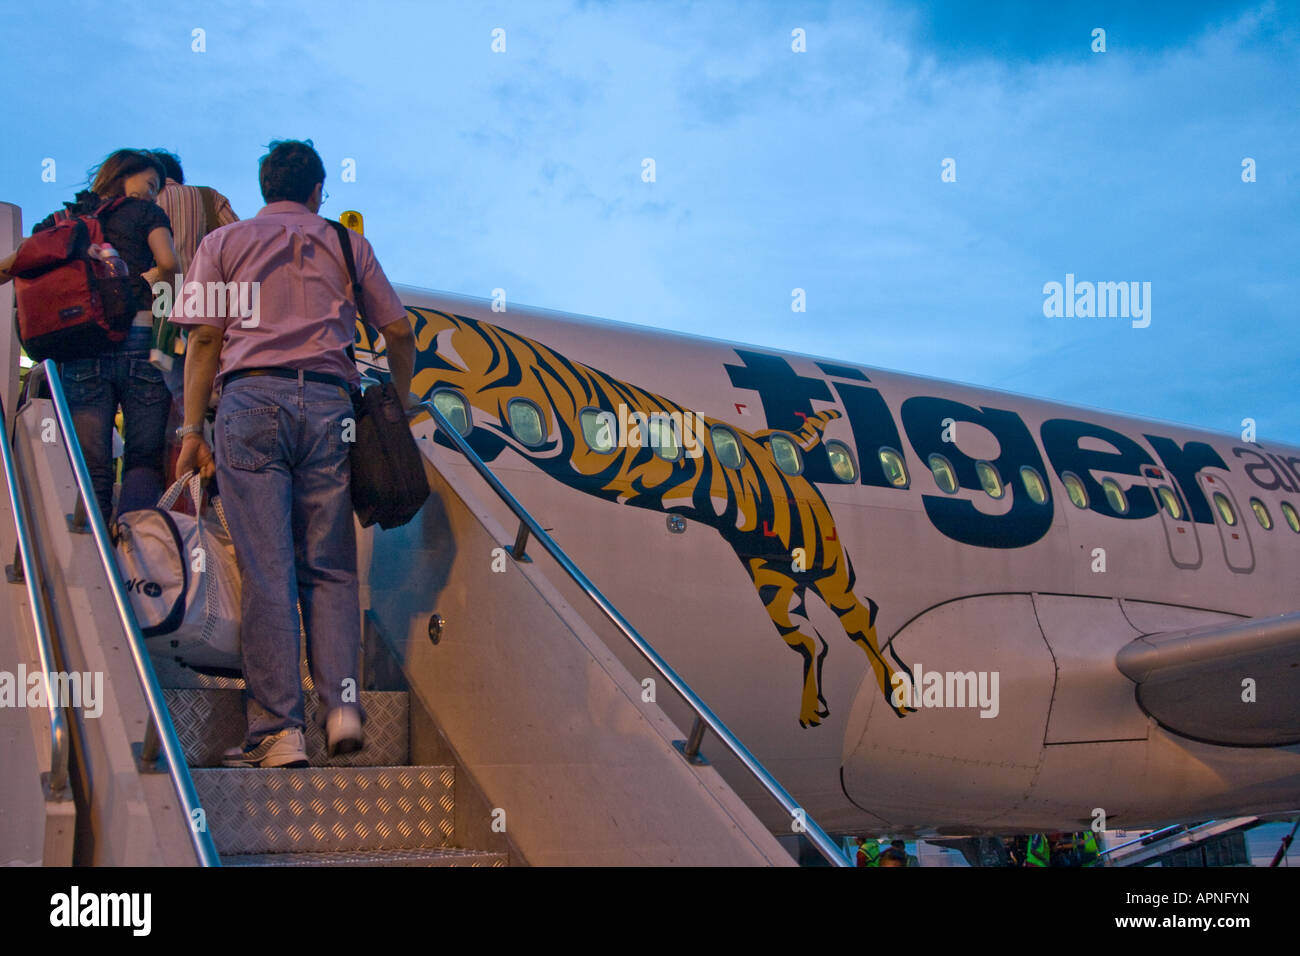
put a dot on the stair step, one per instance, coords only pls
(448, 856)
(327, 808)
(208, 721)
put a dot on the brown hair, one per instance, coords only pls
(108, 177)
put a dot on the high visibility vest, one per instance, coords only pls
(1038, 853)
(1090, 852)
(868, 853)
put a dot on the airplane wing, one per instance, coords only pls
(1234, 684)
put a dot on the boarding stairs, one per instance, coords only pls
(489, 699)
(374, 807)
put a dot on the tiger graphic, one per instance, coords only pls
(778, 524)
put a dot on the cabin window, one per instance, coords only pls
(1291, 517)
(1170, 502)
(663, 437)
(598, 430)
(894, 466)
(1074, 488)
(1033, 483)
(990, 479)
(1115, 496)
(454, 408)
(526, 421)
(786, 455)
(944, 476)
(842, 463)
(1261, 512)
(1225, 509)
(727, 446)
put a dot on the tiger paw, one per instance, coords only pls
(811, 718)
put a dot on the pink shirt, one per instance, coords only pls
(301, 314)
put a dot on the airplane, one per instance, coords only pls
(1061, 615)
(928, 609)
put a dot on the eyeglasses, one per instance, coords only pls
(323, 196)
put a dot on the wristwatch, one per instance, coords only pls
(188, 430)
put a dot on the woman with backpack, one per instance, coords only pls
(121, 195)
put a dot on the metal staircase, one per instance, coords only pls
(368, 808)
(465, 728)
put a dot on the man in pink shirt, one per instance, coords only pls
(274, 321)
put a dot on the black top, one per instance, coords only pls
(127, 228)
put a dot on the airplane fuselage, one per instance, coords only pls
(757, 514)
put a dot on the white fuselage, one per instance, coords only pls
(1016, 607)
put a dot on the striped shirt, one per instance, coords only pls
(184, 207)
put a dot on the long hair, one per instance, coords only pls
(108, 177)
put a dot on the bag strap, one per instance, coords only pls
(209, 209)
(342, 232)
(221, 513)
(194, 485)
(172, 494)
(108, 206)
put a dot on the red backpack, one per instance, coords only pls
(74, 291)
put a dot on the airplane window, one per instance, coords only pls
(944, 476)
(895, 469)
(453, 408)
(1261, 512)
(525, 421)
(1170, 501)
(990, 479)
(663, 438)
(1291, 517)
(786, 454)
(1225, 509)
(727, 446)
(842, 461)
(1034, 486)
(598, 431)
(1115, 495)
(1074, 488)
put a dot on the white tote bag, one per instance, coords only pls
(182, 579)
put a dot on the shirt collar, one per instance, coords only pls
(284, 206)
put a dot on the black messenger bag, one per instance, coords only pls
(388, 481)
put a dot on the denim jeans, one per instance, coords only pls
(283, 473)
(95, 387)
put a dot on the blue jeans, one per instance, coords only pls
(283, 473)
(95, 387)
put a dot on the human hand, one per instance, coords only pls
(195, 454)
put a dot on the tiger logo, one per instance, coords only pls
(778, 524)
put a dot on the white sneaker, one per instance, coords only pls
(343, 731)
(288, 748)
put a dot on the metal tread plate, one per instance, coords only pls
(448, 856)
(327, 809)
(208, 721)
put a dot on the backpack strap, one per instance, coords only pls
(209, 209)
(346, 242)
(108, 207)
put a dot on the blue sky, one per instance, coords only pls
(774, 169)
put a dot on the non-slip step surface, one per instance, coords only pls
(327, 809)
(209, 721)
(450, 856)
